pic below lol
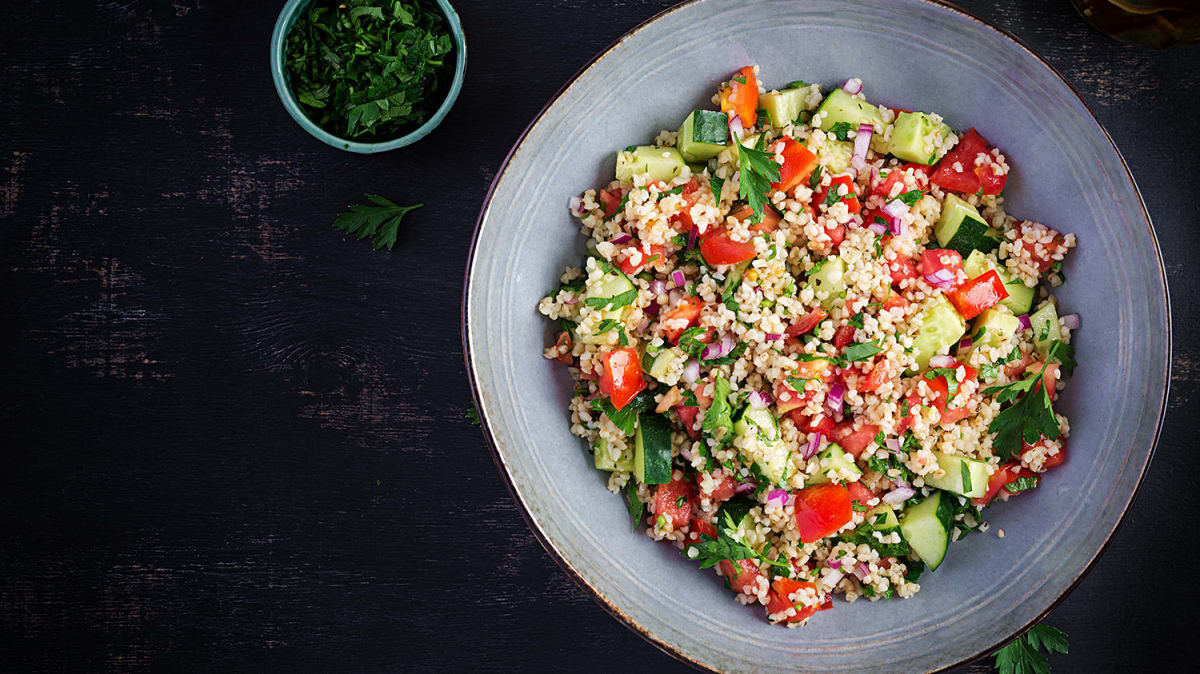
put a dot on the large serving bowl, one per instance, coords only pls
(912, 54)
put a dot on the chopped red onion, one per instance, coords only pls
(814, 445)
(942, 279)
(772, 336)
(777, 496)
(686, 453)
(877, 228)
(621, 238)
(577, 205)
(691, 372)
(895, 208)
(674, 296)
(965, 343)
(745, 487)
(758, 400)
(1023, 319)
(834, 399)
(898, 495)
(651, 309)
(896, 225)
(852, 86)
(892, 444)
(862, 571)
(1071, 321)
(862, 141)
(942, 360)
(833, 563)
(678, 278)
(718, 349)
(658, 286)
(736, 130)
(573, 300)
(692, 236)
(641, 328)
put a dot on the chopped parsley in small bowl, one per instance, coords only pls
(368, 75)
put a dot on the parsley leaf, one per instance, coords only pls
(637, 509)
(1021, 484)
(1029, 419)
(759, 170)
(473, 416)
(862, 351)
(717, 184)
(1022, 655)
(626, 417)
(1065, 355)
(951, 381)
(911, 197)
(381, 221)
(841, 130)
(816, 177)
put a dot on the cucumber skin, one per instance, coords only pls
(652, 451)
(918, 525)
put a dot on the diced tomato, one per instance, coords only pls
(564, 342)
(883, 187)
(852, 440)
(836, 235)
(702, 389)
(741, 575)
(681, 317)
(821, 510)
(969, 177)
(1042, 255)
(1008, 473)
(610, 199)
(798, 164)
(622, 376)
(636, 258)
(822, 423)
(920, 173)
(788, 398)
(718, 248)
(850, 198)
(902, 268)
(941, 396)
(723, 491)
(843, 336)
(1049, 377)
(860, 495)
(674, 501)
(1014, 369)
(806, 322)
(687, 417)
(778, 600)
(936, 259)
(769, 222)
(977, 294)
(913, 401)
(697, 527)
(740, 97)
(880, 373)
(895, 301)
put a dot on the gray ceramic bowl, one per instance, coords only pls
(910, 53)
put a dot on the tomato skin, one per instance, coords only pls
(935, 259)
(610, 199)
(806, 323)
(941, 397)
(1009, 472)
(902, 268)
(689, 309)
(992, 183)
(1042, 260)
(725, 486)
(741, 98)
(564, 339)
(822, 423)
(860, 495)
(895, 301)
(622, 376)
(843, 336)
(850, 199)
(821, 510)
(977, 294)
(718, 248)
(674, 501)
(783, 588)
(687, 417)
(697, 527)
(741, 574)
(836, 234)
(1050, 461)
(966, 181)
(853, 441)
(638, 258)
(798, 164)
(879, 374)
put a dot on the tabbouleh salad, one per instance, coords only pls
(808, 343)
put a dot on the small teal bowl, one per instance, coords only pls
(287, 17)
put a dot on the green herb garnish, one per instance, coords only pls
(759, 170)
(1023, 656)
(381, 222)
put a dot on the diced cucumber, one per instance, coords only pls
(605, 462)
(963, 229)
(658, 364)
(830, 278)
(738, 509)
(703, 135)
(836, 155)
(992, 327)
(783, 107)
(963, 476)
(652, 449)
(917, 138)
(1020, 296)
(613, 285)
(926, 527)
(937, 327)
(835, 459)
(734, 276)
(840, 106)
(1045, 326)
(659, 163)
(774, 462)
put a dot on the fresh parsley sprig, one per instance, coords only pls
(1030, 418)
(759, 170)
(381, 222)
(712, 551)
(1023, 656)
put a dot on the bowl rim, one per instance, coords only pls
(284, 91)
(498, 460)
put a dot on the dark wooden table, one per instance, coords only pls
(234, 440)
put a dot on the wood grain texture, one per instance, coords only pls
(234, 440)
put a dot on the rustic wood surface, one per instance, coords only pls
(234, 440)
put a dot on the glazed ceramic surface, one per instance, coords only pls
(912, 54)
